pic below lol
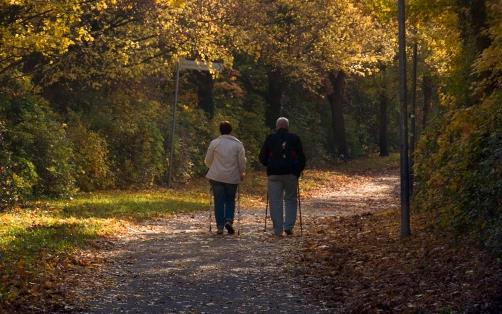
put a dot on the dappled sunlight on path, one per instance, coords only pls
(362, 194)
(176, 265)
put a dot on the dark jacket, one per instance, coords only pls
(282, 153)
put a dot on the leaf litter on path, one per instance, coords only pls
(176, 265)
(349, 260)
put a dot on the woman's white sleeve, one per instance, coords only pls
(209, 155)
(242, 159)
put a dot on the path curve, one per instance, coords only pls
(177, 266)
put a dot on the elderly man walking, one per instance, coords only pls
(282, 154)
(226, 160)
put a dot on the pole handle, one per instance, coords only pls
(238, 211)
(266, 213)
(210, 207)
(300, 208)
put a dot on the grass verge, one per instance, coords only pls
(38, 242)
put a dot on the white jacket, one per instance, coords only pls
(226, 159)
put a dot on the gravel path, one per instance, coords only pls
(177, 266)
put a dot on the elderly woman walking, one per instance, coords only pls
(226, 160)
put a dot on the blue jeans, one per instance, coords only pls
(224, 202)
(283, 201)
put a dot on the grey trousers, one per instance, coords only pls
(282, 190)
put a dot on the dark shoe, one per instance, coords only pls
(229, 228)
(288, 232)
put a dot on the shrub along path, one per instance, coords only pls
(176, 265)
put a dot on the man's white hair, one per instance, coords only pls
(282, 123)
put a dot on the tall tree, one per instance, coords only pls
(205, 86)
(383, 142)
(274, 97)
(336, 99)
(312, 42)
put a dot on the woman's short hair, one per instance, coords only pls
(225, 127)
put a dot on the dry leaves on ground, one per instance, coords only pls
(360, 262)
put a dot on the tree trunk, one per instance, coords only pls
(336, 98)
(413, 131)
(427, 90)
(382, 126)
(473, 22)
(205, 86)
(274, 98)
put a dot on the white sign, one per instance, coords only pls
(199, 65)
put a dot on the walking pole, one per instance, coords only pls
(300, 208)
(210, 206)
(238, 211)
(266, 213)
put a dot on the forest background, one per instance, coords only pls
(87, 89)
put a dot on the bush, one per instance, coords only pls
(132, 130)
(90, 158)
(247, 118)
(17, 175)
(149, 154)
(459, 171)
(252, 132)
(8, 191)
(193, 134)
(40, 152)
(305, 119)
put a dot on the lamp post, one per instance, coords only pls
(403, 125)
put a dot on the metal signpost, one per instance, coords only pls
(404, 158)
(199, 66)
(184, 64)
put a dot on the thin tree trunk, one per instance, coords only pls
(427, 106)
(413, 131)
(205, 86)
(274, 98)
(382, 126)
(336, 99)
